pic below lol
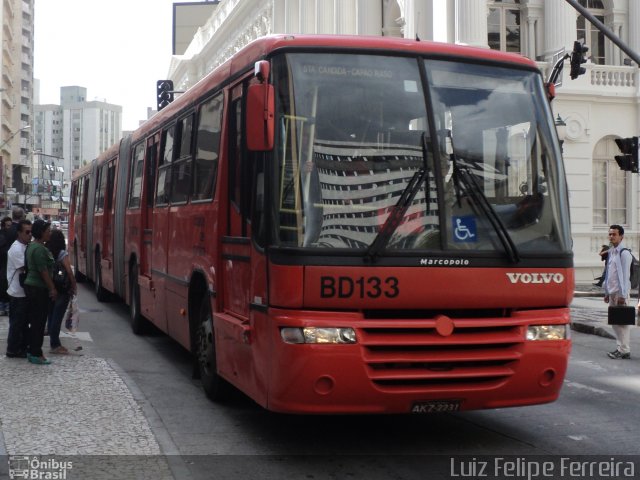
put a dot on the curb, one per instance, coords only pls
(587, 294)
(590, 329)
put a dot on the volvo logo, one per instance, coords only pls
(535, 277)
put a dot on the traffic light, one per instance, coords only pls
(577, 59)
(629, 161)
(164, 90)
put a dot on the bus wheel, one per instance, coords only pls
(137, 321)
(101, 294)
(216, 388)
(80, 278)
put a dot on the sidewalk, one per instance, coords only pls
(81, 417)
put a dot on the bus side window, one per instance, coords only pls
(85, 197)
(205, 167)
(137, 164)
(99, 195)
(181, 168)
(102, 195)
(78, 195)
(108, 200)
(152, 167)
(163, 187)
(235, 154)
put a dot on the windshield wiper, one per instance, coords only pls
(399, 210)
(463, 176)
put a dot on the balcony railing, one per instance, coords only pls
(603, 79)
(613, 76)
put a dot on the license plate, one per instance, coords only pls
(436, 406)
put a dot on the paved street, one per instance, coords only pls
(134, 396)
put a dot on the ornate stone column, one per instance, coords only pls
(369, 18)
(429, 19)
(307, 12)
(471, 18)
(560, 26)
(279, 16)
(292, 17)
(533, 12)
(634, 25)
(325, 16)
(616, 54)
(346, 13)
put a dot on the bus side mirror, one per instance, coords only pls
(260, 112)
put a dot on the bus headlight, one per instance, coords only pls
(548, 332)
(318, 335)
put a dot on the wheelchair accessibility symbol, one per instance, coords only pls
(464, 229)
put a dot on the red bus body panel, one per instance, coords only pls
(397, 363)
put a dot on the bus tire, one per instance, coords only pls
(80, 278)
(138, 323)
(215, 387)
(101, 294)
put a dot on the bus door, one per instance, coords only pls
(147, 290)
(160, 236)
(103, 219)
(243, 266)
(81, 227)
(108, 211)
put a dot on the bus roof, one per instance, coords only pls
(264, 45)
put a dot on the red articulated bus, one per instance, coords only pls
(338, 224)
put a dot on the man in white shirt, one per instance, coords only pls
(617, 287)
(18, 326)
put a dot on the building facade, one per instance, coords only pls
(597, 107)
(76, 131)
(16, 95)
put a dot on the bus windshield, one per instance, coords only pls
(429, 154)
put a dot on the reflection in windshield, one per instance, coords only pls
(350, 130)
(498, 135)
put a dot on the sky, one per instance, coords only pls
(116, 49)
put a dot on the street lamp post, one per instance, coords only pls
(561, 129)
(26, 127)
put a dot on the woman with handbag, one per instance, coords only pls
(39, 288)
(65, 285)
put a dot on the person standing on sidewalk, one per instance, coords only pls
(57, 246)
(18, 325)
(39, 289)
(7, 237)
(617, 287)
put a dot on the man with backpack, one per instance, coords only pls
(617, 287)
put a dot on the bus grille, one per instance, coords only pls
(478, 354)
